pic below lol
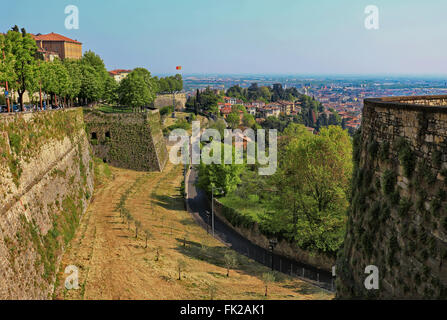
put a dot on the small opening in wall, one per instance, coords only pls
(107, 134)
(94, 135)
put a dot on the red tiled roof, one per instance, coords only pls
(53, 37)
(118, 71)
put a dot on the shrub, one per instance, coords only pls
(406, 157)
(373, 147)
(384, 151)
(426, 173)
(388, 182)
(16, 142)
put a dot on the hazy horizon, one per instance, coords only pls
(250, 37)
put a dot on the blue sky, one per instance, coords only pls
(249, 36)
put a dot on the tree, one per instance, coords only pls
(233, 119)
(111, 91)
(137, 89)
(267, 278)
(148, 235)
(212, 289)
(171, 85)
(23, 47)
(314, 180)
(7, 71)
(222, 176)
(237, 92)
(181, 266)
(91, 84)
(219, 125)
(230, 261)
(137, 227)
(95, 76)
(277, 92)
(73, 68)
(248, 120)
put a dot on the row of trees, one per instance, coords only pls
(263, 93)
(70, 82)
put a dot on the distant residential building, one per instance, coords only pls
(251, 110)
(258, 104)
(230, 100)
(53, 43)
(285, 107)
(225, 111)
(271, 110)
(119, 74)
(221, 105)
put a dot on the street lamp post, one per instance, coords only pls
(272, 245)
(208, 217)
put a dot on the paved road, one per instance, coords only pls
(198, 205)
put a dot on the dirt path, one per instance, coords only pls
(113, 264)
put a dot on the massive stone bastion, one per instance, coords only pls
(398, 215)
(47, 181)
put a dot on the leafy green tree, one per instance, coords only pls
(314, 179)
(233, 119)
(95, 75)
(248, 120)
(137, 89)
(91, 85)
(221, 176)
(219, 125)
(230, 261)
(73, 68)
(111, 91)
(237, 92)
(7, 72)
(23, 47)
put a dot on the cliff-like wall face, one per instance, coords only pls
(164, 100)
(46, 182)
(127, 140)
(398, 216)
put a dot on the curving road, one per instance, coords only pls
(197, 204)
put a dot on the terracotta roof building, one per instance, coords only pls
(119, 74)
(65, 48)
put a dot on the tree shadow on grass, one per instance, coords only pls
(169, 203)
(215, 255)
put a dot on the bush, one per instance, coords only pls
(406, 157)
(384, 151)
(166, 110)
(389, 180)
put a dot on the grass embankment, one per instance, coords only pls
(114, 264)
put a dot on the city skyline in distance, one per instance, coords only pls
(251, 37)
